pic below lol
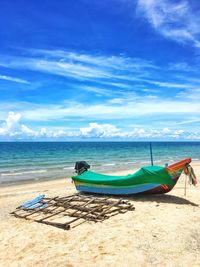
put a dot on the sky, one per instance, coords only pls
(100, 70)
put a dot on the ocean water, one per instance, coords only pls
(25, 161)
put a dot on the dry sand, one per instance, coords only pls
(164, 230)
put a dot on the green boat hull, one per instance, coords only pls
(150, 179)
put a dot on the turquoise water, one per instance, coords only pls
(23, 161)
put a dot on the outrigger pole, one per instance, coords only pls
(151, 154)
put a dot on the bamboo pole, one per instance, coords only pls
(185, 185)
(151, 154)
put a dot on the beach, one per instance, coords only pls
(163, 230)
(90, 89)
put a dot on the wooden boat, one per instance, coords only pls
(150, 179)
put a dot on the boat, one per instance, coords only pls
(149, 179)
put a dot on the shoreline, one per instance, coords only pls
(195, 164)
(49, 179)
(42, 183)
(31, 181)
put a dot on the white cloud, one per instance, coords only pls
(13, 129)
(96, 130)
(140, 133)
(27, 131)
(127, 106)
(100, 130)
(177, 134)
(166, 130)
(97, 90)
(2, 131)
(169, 84)
(191, 95)
(81, 66)
(103, 131)
(183, 66)
(193, 136)
(110, 75)
(13, 79)
(114, 62)
(191, 121)
(128, 109)
(12, 122)
(172, 19)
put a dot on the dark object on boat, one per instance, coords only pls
(81, 166)
(70, 211)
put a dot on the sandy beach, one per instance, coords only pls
(163, 230)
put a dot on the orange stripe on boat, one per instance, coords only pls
(178, 165)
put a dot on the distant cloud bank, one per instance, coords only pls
(14, 130)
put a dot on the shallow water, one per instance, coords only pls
(20, 161)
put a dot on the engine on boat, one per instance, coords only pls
(81, 166)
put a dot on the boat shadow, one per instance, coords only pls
(159, 198)
(162, 199)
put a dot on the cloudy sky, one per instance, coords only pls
(100, 70)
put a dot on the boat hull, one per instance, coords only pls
(116, 190)
(148, 185)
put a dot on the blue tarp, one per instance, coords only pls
(35, 203)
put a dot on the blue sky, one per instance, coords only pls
(100, 70)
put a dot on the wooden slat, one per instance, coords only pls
(77, 206)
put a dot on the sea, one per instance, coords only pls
(22, 162)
